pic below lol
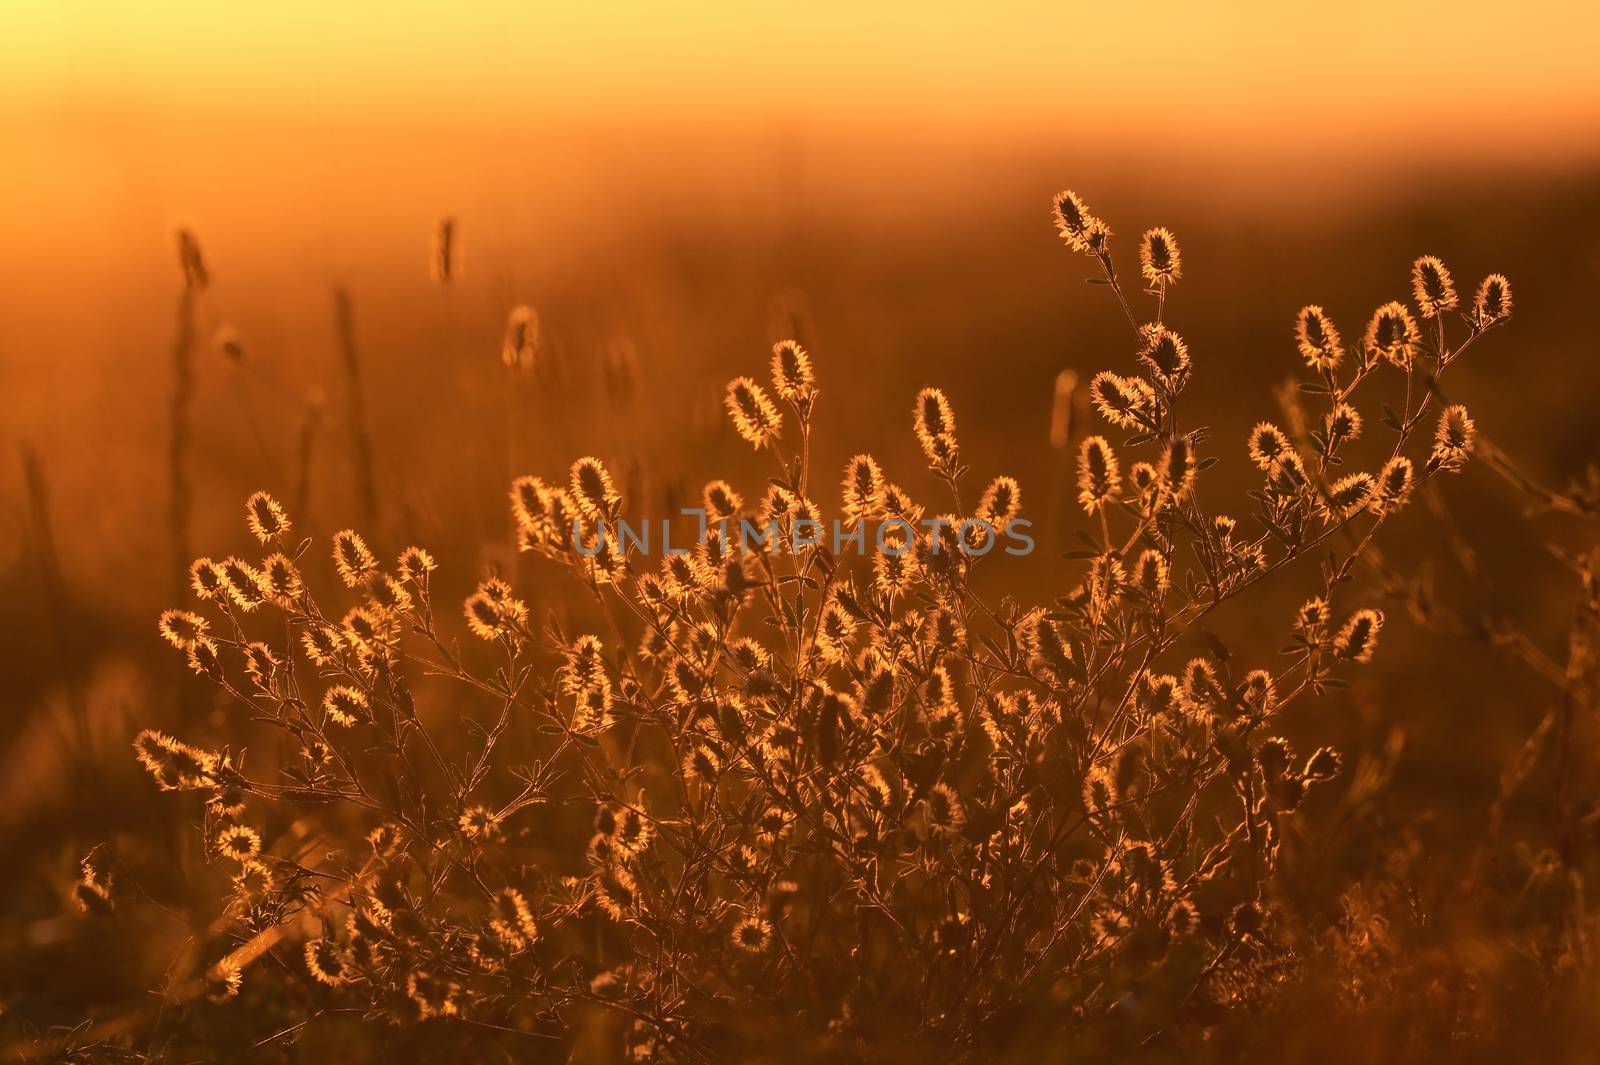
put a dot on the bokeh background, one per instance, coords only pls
(673, 188)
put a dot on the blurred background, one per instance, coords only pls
(673, 188)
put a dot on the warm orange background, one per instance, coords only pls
(676, 186)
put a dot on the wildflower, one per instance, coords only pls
(1001, 502)
(1347, 494)
(511, 919)
(752, 934)
(259, 662)
(415, 564)
(352, 558)
(897, 504)
(181, 629)
(1359, 637)
(1312, 618)
(492, 611)
(1287, 474)
(1098, 476)
(1199, 681)
(720, 501)
(895, 567)
(1177, 468)
(205, 577)
(834, 630)
(265, 517)
(935, 425)
(631, 830)
(1453, 440)
(433, 996)
(1432, 287)
(1126, 402)
(862, 489)
(944, 809)
(1073, 220)
(1493, 301)
(325, 962)
(1343, 424)
(385, 839)
(614, 892)
(479, 823)
(1393, 488)
(592, 489)
(238, 843)
(592, 706)
(1182, 918)
(1322, 765)
(281, 579)
(754, 416)
(1150, 573)
(1392, 334)
(702, 762)
(792, 375)
(1166, 355)
(1259, 694)
(1158, 256)
(244, 583)
(521, 344)
(1318, 339)
(322, 643)
(1099, 790)
(388, 595)
(203, 658)
(1267, 443)
(254, 878)
(364, 629)
(345, 705)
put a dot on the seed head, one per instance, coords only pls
(1098, 476)
(1359, 637)
(1393, 487)
(521, 345)
(1453, 439)
(754, 416)
(1158, 256)
(1319, 340)
(1431, 285)
(1073, 220)
(862, 489)
(1493, 301)
(792, 375)
(1393, 334)
(352, 558)
(935, 424)
(1166, 355)
(265, 517)
(593, 490)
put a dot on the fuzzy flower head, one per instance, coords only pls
(1077, 226)
(935, 424)
(754, 416)
(266, 518)
(1493, 301)
(1393, 334)
(1159, 259)
(792, 374)
(1435, 293)
(1318, 339)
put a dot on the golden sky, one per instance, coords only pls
(1455, 73)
